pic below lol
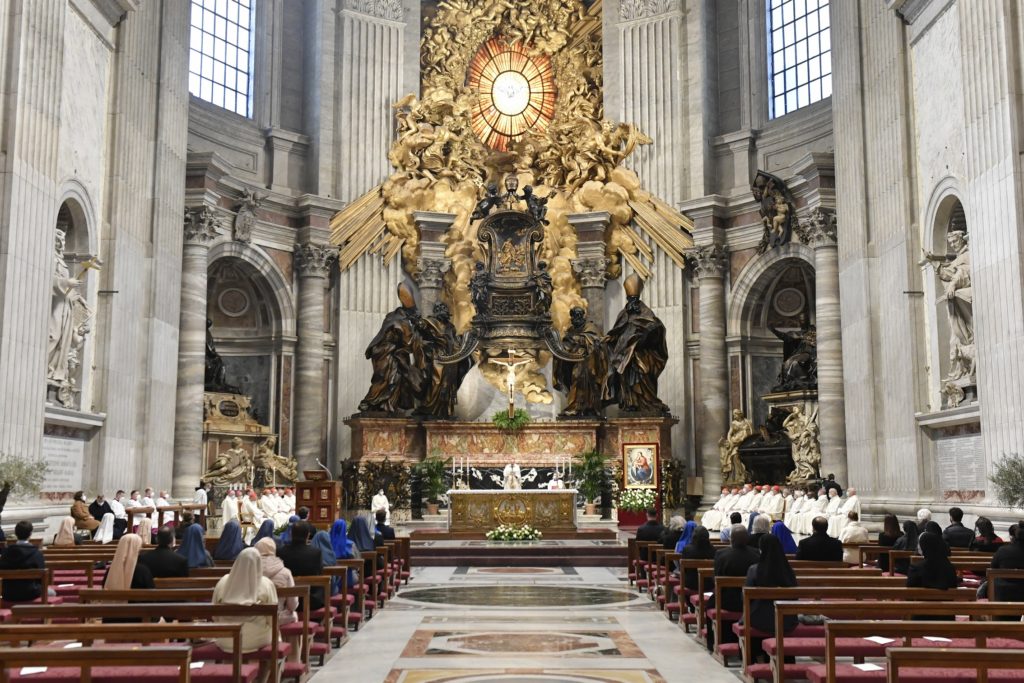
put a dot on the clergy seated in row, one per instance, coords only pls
(732, 503)
(841, 516)
(795, 507)
(811, 510)
(819, 546)
(853, 533)
(712, 519)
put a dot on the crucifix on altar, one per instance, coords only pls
(510, 362)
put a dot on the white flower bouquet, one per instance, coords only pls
(511, 532)
(636, 499)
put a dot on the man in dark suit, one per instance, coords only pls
(386, 532)
(22, 555)
(162, 561)
(650, 531)
(732, 561)
(303, 559)
(1010, 555)
(956, 535)
(819, 546)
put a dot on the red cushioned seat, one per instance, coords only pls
(338, 632)
(293, 670)
(318, 614)
(5, 615)
(729, 650)
(761, 672)
(292, 630)
(211, 652)
(726, 615)
(847, 673)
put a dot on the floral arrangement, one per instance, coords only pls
(520, 419)
(511, 532)
(636, 499)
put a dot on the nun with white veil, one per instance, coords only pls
(245, 584)
(105, 531)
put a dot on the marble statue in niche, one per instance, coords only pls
(245, 218)
(778, 212)
(803, 434)
(582, 382)
(740, 428)
(637, 354)
(70, 318)
(215, 376)
(954, 272)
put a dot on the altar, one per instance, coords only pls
(482, 510)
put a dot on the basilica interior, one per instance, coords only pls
(491, 266)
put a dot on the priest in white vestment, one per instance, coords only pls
(837, 521)
(815, 509)
(289, 501)
(794, 508)
(270, 508)
(380, 502)
(229, 508)
(832, 509)
(775, 505)
(512, 477)
(753, 505)
(250, 511)
(730, 507)
(713, 517)
(853, 533)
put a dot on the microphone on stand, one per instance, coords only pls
(325, 469)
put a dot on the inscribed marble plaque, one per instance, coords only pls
(960, 463)
(64, 457)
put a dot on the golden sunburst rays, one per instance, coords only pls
(514, 92)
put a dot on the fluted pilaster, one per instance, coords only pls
(313, 262)
(200, 228)
(709, 263)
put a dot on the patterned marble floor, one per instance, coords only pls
(520, 625)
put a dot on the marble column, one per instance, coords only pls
(313, 262)
(432, 263)
(709, 264)
(591, 262)
(821, 234)
(200, 229)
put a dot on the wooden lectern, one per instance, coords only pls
(321, 495)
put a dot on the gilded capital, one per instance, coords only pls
(200, 226)
(314, 260)
(708, 261)
(591, 270)
(820, 230)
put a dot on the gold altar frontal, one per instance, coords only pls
(483, 510)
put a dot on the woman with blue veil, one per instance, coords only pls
(686, 536)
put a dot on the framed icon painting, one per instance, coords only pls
(640, 465)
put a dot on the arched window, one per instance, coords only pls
(799, 54)
(220, 53)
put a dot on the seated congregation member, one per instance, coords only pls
(924, 515)
(887, 537)
(230, 543)
(785, 536)
(932, 527)
(65, 536)
(21, 554)
(956, 535)
(286, 535)
(273, 568)
(771, 571)
(303, 513)
(650, 530)
(699, 548)
(162, 561)
(986, 541)
(762, 526)
(685, 535)
(908, 541)
(303, 559)
(386, 533)
(735, 560)
(187, 520)
(266, 530)
(100, 507)
(819, 546)
(734, 519)
(670, 537)
(1010, 555)
(853, 533)
(245, 584)
(935, 570)
(193, 548)
(125, 572)
(361, 536)
(144, 529)
(80, 511)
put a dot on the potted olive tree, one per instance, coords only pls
(432, 471)
(591, 473)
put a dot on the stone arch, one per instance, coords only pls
(277, 286)
(749, 289)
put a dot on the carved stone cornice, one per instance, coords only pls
(392, 10)
(630, 10)
(819, 230)
(200, 226)
(313, 259)
(591, 270)
(708, 261)
(431, 270)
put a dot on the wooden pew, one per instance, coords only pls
(993, 575)
(153, 611)
(981, 662)
(909, 634)
(86, 659)
(34, 634)
(356, 616)
(631, 560)
(913, 601)
(40, 575)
